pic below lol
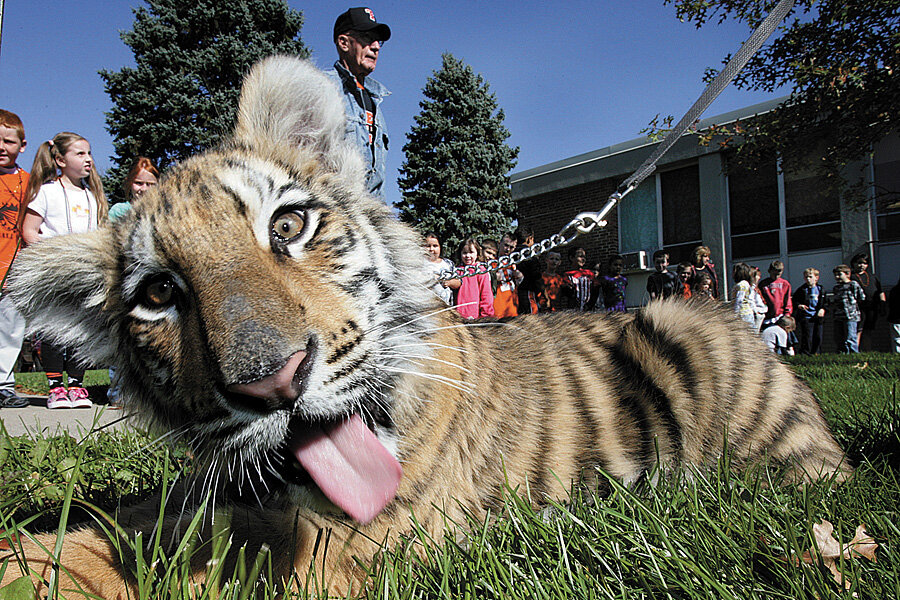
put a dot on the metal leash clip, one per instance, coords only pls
(582, 223)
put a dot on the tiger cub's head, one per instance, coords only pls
(259, 302)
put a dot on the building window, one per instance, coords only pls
(814, 237)
(638, 228)
(754, 211)
(680, 200)
(887, 200)
(754, 244)
(808, 212)
(812, 212)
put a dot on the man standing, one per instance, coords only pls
(358, 38)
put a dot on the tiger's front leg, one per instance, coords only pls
(91, 567)
(307, 551)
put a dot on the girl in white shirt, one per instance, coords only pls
(64, 195)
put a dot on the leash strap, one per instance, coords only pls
(712, 91)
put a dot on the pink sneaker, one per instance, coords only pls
(79, 397)
(59, 398)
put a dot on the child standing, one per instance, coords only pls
(701, 263)
(663, 283)
(491, 250)
(760, 307)
(776, 291)
(685, 273)
(506, 299)
(474, 299)
(64, 196)
(747, 301)
(702, 287)
(13, 182)
(531, 284)
(809, 302)
(848, 295)
(614, 285)
(875, 298)
(433, 261)
(142, 177)
(554, 283)
(580, 278)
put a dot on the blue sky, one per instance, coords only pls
(570, 76)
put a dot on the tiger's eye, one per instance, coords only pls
(288, 226)
(159, 292)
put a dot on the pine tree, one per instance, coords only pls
(455, 179)
(190, 57)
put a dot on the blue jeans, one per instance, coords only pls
(845, 336)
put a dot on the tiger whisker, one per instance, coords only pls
(414, 320)
(455, 384)
(415, 360)
(455, 326)
(431, 345)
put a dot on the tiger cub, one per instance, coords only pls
(260, 306)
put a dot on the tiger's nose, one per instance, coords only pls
(276, 391)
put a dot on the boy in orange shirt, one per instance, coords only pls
(13, 181)
(506, 298)
(550, 299)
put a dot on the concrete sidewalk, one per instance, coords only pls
(37, 418)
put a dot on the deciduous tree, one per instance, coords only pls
(838, 58)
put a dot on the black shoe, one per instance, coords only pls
(9, 399)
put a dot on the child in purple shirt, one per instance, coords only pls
(614, 285)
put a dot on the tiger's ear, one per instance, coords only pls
(287, 101)
(60, 287)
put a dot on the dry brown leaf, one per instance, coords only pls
(4, 540)
(862, 544)
(830, 550)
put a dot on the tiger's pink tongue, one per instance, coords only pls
(350, 466)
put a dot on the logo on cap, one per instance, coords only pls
(370, 13)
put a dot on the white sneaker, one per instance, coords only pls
(59, 398)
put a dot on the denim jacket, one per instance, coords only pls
(357, 129)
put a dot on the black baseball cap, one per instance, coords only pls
(361, 19)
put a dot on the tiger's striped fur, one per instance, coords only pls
(268, 251)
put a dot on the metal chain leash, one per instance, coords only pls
(581, 224)
(585, 222)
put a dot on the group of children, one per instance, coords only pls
(769, 305)
(62, 194)
(772, 308)
(694, 279)
(525, 288)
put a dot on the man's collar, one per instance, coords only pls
(373, 86)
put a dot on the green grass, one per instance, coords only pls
(36, 383)
(693, 534)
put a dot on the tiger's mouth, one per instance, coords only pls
(342, 456)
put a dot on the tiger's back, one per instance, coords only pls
(263, 307)
(557, 396)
